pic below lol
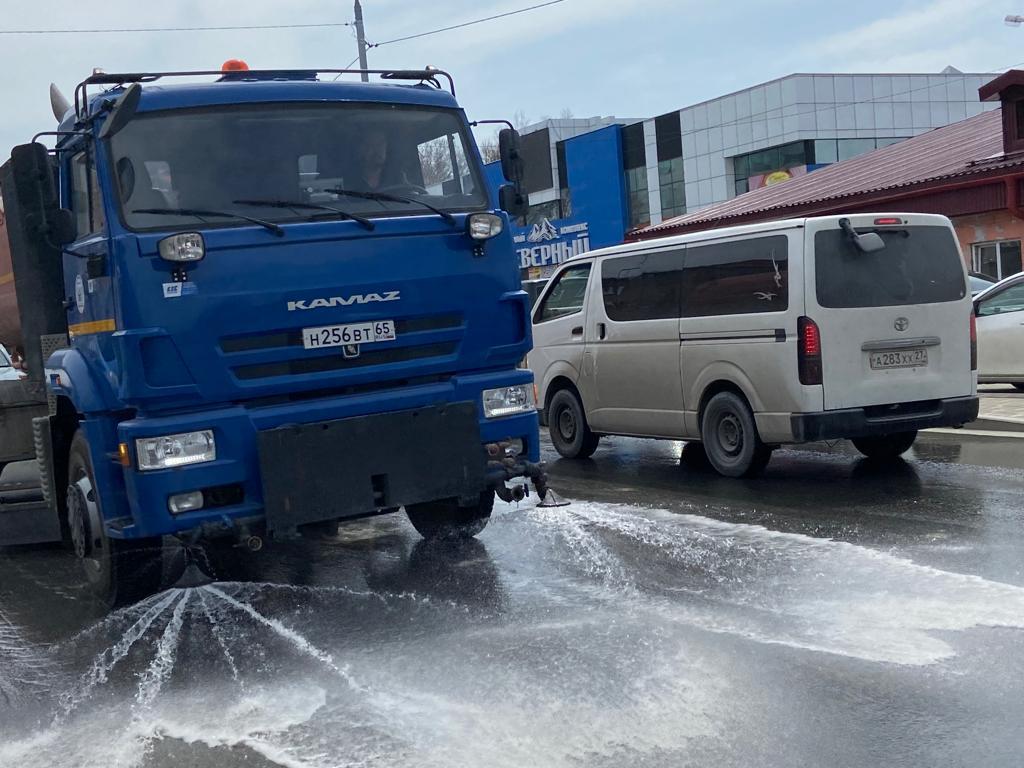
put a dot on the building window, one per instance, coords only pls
(634, 166)
(997, 260)
(636, 193)
(668, 132)
(673, 188)
(750, 170)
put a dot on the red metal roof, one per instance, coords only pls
(971, 146)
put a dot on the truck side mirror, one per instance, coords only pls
(62, 228)
(123, 111)
(38, 201)
(510, 152)
(511, 197)
(512, 200)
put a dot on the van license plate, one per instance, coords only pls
(899, 358)
(354, 333)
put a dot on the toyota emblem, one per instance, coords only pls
(901, 324)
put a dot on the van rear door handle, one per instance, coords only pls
(600, 330)
(577, 331)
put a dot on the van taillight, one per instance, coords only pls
(974, 341)
(809, 351)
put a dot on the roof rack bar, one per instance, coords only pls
(120, 78)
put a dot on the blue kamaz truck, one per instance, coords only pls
(258, 303)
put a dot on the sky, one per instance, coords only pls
(628, 58)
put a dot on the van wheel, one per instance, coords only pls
(885, 446)
(567, 425)
(117, 571)
(446, 519)
(730, 437)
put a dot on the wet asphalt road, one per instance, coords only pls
(831, 613)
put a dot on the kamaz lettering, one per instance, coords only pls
(343, 301)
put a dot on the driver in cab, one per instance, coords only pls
(371, 161)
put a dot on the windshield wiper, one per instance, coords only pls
(388, 197)
(302, 205)
(201, 212)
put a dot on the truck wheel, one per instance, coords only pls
(117, 571)
(567, 425)
(447, 520)
(730, 437)
(885, 446)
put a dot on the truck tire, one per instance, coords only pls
(885, 446)
(446, 519)
(117, 571)
(729, 435)
(567, 425)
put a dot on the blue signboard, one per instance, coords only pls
(598, 200)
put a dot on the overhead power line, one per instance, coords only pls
(171, 29)
(465, 24)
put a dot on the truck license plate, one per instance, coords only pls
(353, 333)
(899, 358)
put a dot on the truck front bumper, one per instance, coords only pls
(297, 463)
(883, 420)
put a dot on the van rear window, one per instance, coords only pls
(919, 265)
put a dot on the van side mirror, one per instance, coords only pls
(512, 200)
(868, 242)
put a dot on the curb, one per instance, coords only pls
(996, 424)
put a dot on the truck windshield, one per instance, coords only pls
(919, 265)
(408, 160)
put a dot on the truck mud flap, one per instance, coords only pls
(352, 467)
(25, 518)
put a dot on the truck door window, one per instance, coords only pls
(737, 277)
(642, 287)
(566, 295)
(86, 202)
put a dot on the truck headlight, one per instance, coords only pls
(483, 226)
(505, 401)
(176, 450)
(188, 246)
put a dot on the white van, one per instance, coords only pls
(745, 338)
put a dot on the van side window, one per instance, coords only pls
(737, 277)
(566, 295)
(642, 287)
(86, 202)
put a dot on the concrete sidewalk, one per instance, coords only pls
(1002, 409)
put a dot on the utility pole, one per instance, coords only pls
(361, 41)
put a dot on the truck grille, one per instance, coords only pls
(340, 362)
(418, 338)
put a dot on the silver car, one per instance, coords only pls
(1000, 321)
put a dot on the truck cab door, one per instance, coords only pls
(89, 304)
